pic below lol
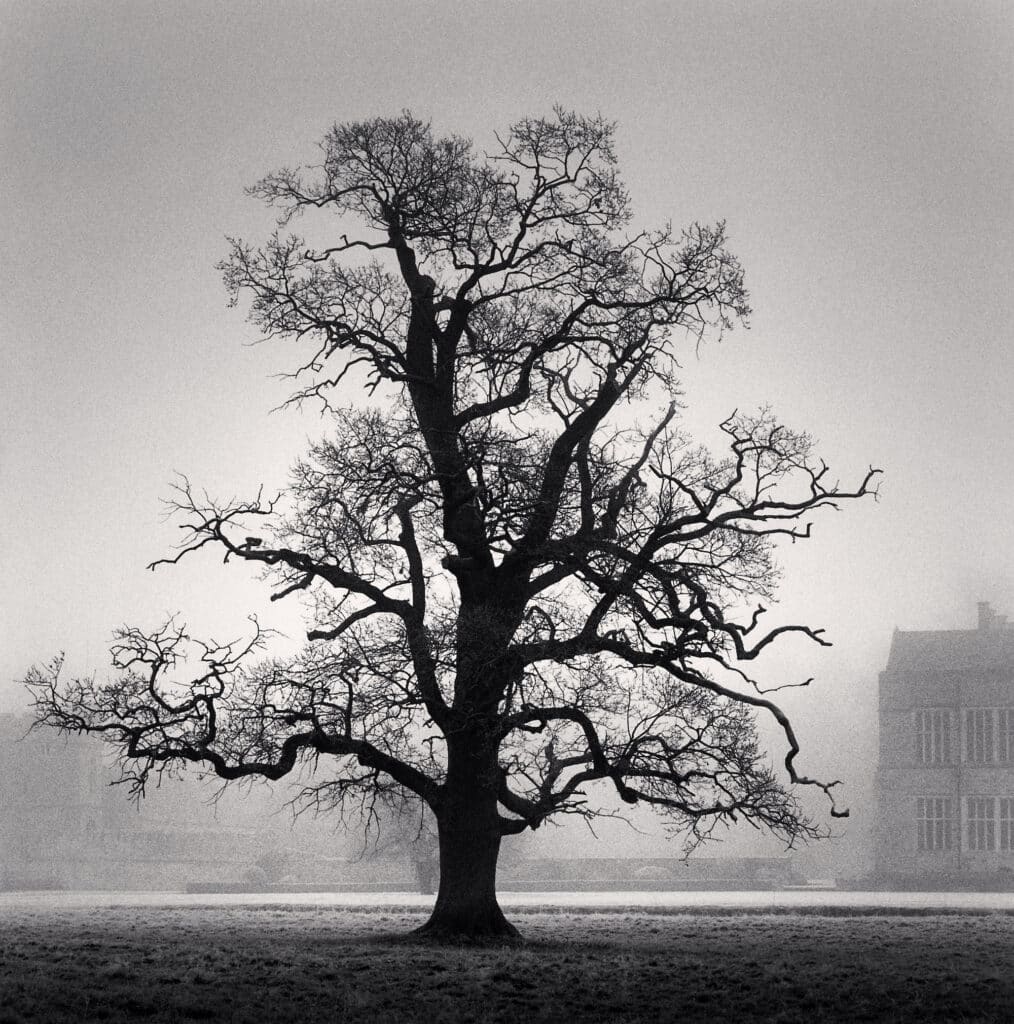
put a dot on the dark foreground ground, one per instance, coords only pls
(314, 964)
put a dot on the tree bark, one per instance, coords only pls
(469, 829)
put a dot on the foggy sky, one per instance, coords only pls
(860, 153)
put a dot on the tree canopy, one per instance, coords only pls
(524, 576)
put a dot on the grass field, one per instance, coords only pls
(310, 964)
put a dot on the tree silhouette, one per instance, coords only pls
(524, 577)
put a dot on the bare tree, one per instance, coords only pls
(405, 832)
(524, 576)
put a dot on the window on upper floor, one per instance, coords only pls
(934, 823)
(979, 745)
(981, 823)
(1005, 735)
(933, 736)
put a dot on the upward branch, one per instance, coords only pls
(520, 579)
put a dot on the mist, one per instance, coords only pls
(861, 158)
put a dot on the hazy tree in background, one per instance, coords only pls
(524, 577)
(409, 833)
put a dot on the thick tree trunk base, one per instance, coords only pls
(468, 926)
(467, 910)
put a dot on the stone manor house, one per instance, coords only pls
(945, 781)
(63, 825)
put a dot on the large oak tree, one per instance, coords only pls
(525, 578)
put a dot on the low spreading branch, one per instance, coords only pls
(523, 579)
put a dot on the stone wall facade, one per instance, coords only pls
(945, 778)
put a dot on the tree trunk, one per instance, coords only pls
(469, 829)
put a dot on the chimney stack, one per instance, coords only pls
(986, 616)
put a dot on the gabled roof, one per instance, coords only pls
(949, 650)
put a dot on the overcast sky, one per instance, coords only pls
(861, 154)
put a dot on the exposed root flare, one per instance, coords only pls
(489, 930)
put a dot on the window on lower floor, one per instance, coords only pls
(981, 823)
(934, 823)
(1007, 825)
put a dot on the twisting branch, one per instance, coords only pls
(232, 719)
(520, 579)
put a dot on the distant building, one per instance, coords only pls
(55, 805)
(63, 824)
(946, 773)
